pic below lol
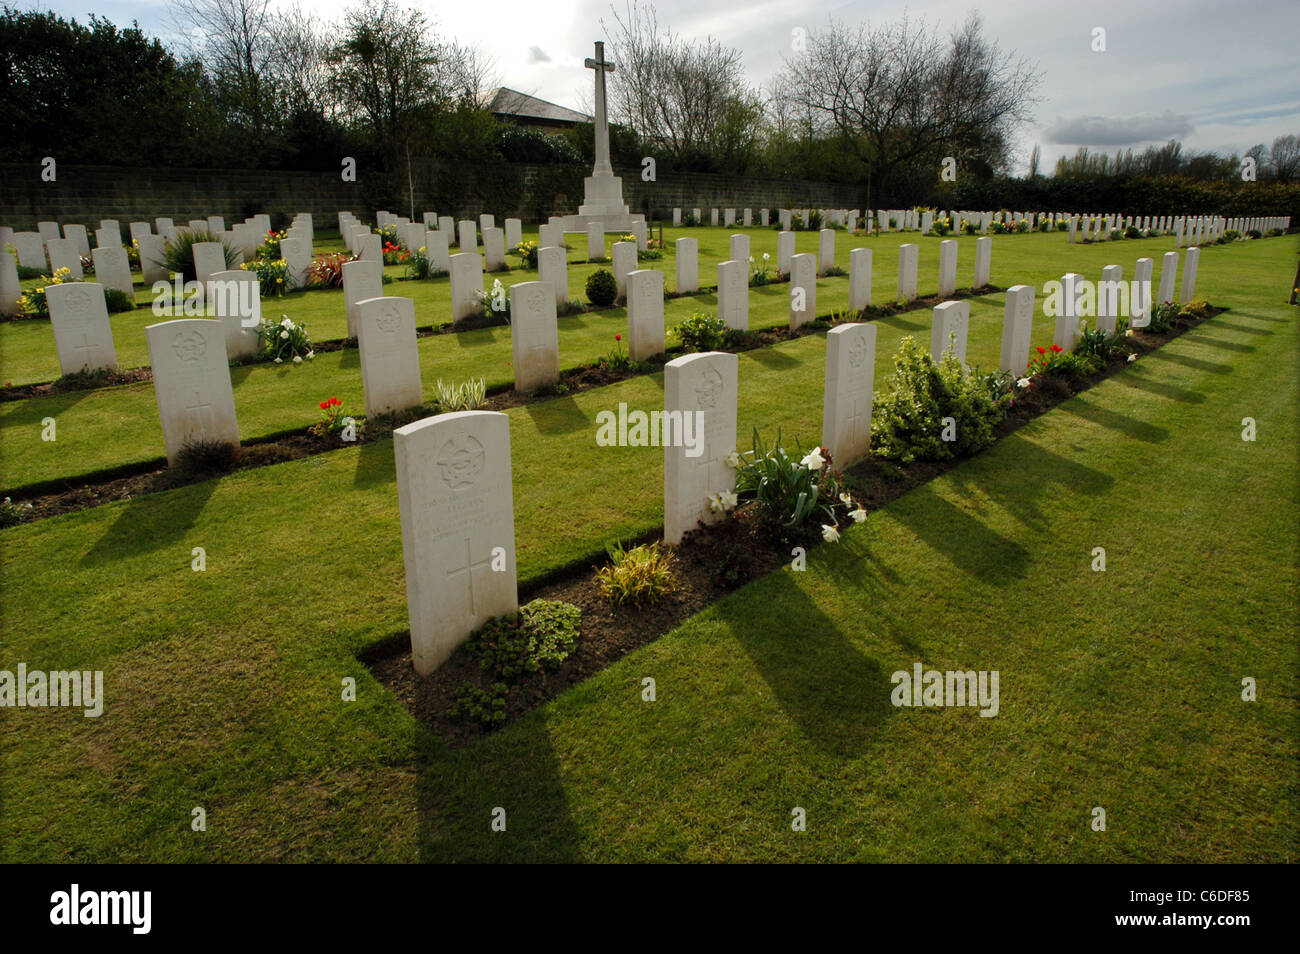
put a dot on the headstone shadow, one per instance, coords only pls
(1187, 361)
(375, 465)
(150, 523)
(559, 416)
(1134, 428)
(961, 538)
(516, 770)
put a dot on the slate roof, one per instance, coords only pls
(510, 102)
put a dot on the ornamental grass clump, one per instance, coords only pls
(935, 410)
(641, 575)
(467, 396)
(178, 255)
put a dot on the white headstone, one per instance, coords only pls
(31, 249)
(859, 279)
(82, 332)
(368, 249)
(784, 252)
(466, 279)
(48, 231)
(948, 330)
(113, 269)
(494, 249)
(733, 294)
(362, 279)
(550, 234)
(728, 218)
(209, 258)
(534, 335)
(216, 224)
(645, 314)
(983, 261)
(1108, 298)
(514, 232)
(688, 266)
(435, 246)
(1017, 329)
(553, 268)
(803, 289)
(455, 494)
(1066, 333)
(747, 220)
(948, 267)
(78, 235)
(468, 236)
(825, 251)
(390, 361)
(907, 263)
(713, 217)
(1189, 274)
(704, 383)
(1141, 308)
(595, 241)
(63, 254)
(764, 218)
(486, 221)
(447, 226)
(10, 288)
(677, 217)
(623, 261)
(153, 265)
(296, 253)
(1168, 271)
(234, 298)
(138, 229)
(739, 248)
(191, 381)
(114, 227)
(846, 403)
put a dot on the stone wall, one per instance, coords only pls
(87, 194)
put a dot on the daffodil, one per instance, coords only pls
(1132, 358)
(846, 500)
(297, 359)
(830, 533)
(733, 460)
(858, 515)
(729, 500)
(814, 460)
(1022, 383)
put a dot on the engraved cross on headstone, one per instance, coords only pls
(86, 350)
(201, 413)
(469, 568)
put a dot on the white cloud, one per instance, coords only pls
(1105, 131)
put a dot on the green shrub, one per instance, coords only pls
(118, 300)
(1101, 344)
(1132, 231)
(602, 288)
(789, 490)
(1057, 362)
(909, 419)
(540, 636)
(12, 513)
(701, 332)
(643, 574)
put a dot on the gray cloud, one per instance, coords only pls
(1103, 131)
(537, 55)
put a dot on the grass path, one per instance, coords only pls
(1118, 689)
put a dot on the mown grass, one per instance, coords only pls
(1118, 689)
(116, 427)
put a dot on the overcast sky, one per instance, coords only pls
(1219, 76)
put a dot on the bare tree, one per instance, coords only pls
(1034, 158)
(897, 95)
(688, 96)
(1284, 157)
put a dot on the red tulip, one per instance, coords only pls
(618, 337)
(324, 405)
(1057, 348)
(1042, 350)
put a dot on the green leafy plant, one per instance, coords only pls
(334, 420)
(701, 331)
(602, 288)
(118, 301)
(466, 396)
(418, 264)
(1102, 344)
(1057, 362)
(12, 513)
(32, 302)
(1163, 317)
(909, 420)
(527, 252)
(273, 277)
(1132, 231)
(178, 254)
(284, 340)
(641, 575)
(789, 490)
(494, 301)
(270, 245)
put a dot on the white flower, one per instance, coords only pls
(751, 259)
(733, 460)
(311, 354)
(858, 515)
(715, 503)
(766, 256)
(1132, 358)
(830, 533)
(279, 360)
(284, 334)
(846, 500)
(286, 323)
(729, 500)
(814, 460)
(297, 359)
(1022, 383)
(1128, 333)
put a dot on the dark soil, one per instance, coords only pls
(710, 563)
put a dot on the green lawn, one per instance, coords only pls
(114, 427)
(1119, 689)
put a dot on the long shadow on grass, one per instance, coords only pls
(375, 465)
(151, 523)
(961, 538)
(1220, 343)
(1196, 364)
(1021, 497)
(516, 770)
(772, 358)
(561, 416)
(1243, 328)
(836, 695)
(1134, 379)
(1138, 430)
(1258, 317)
(901, 322)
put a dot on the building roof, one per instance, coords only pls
(510, 102)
